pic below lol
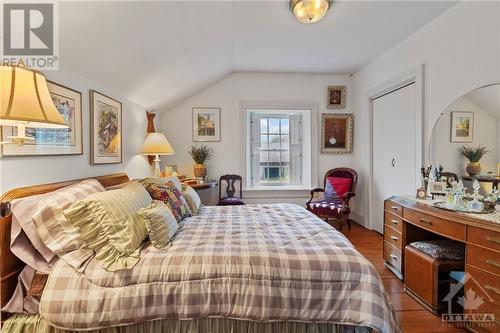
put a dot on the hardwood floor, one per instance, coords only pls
(413, 317)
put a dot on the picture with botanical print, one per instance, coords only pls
(108, 135)
(106, 129)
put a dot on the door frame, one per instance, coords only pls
(416, 76)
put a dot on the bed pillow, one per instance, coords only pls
(192, 198)
(172, 197)
(56, 232)
(25, 242)
(111, 226)
(162, 181)
(160, 223)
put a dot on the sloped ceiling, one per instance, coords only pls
(159, 53)
(488, 99)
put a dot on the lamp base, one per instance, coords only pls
(157, 166)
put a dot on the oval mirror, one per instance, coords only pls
(469, 127)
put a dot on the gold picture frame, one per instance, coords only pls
(105, 129)
(336, 98)
(337, 133)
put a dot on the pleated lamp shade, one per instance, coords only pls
(25, 99)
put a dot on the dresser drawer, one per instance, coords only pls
(393, 221)
(435, 224)
(392, 256)
(484, 237)
(393, 237)
(484, 259)
(484, 282)
(393, 207)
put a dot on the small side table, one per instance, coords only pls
(495, 180)
(203, 186)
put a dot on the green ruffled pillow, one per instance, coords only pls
(111, 226)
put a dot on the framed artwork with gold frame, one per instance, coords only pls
(336, 133)
(336, 97)
(105, 129)
(51, 141)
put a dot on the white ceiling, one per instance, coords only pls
(159, 53)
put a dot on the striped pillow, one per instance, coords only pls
(160, 222)
(172, 197)
(56, 232)
(110, 225)
(192, 198)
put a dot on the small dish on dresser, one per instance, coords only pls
(487, 209)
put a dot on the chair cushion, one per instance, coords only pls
(337, 186)
(441, 249)
(230, 201)
(332, 209)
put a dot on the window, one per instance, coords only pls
(275, 154)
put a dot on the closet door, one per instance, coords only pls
(394, 148)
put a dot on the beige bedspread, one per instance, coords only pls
(254, 262)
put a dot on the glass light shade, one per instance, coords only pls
(156, 144)
(309, 11)
(25, 99)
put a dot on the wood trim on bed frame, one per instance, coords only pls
(10, 265)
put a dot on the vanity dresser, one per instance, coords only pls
(407, 220)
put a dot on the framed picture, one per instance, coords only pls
(206, 124)
(336, 133)
(336, 97)
(436, 188)
(52, 141)
(462, 126)
(105, 129)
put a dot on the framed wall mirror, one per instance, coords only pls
(470, 125)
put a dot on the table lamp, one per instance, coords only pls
(25, 102)
(157, 144)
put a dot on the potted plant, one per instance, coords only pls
(473, 154)
(200, 155)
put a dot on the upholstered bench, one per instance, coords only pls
(427, 263)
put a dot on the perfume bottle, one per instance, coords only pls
(475, 205)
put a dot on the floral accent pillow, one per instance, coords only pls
(172, 197)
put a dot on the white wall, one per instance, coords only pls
(460, 50)
(24, 171)
(485, 129)
(252, 89)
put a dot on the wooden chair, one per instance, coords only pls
(230, 181)
(339, 185)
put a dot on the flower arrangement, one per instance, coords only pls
(473, 154)
(200, 153)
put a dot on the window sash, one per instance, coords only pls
(286, 170)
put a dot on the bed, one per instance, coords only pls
(253, 268)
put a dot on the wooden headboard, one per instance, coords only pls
(10, 265)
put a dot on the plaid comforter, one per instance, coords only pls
(254, 262)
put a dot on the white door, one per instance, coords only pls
(394, 148)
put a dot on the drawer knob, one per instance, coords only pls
(493, 289)
(425, 221)
(394, 238)
(394, 221)
(393, 256)
(493, 263)
(494, 240)
(394, 207)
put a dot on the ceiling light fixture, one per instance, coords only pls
(309, 11)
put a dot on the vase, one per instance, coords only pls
(200, 170)
(473, 168)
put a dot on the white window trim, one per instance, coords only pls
(309, 143)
